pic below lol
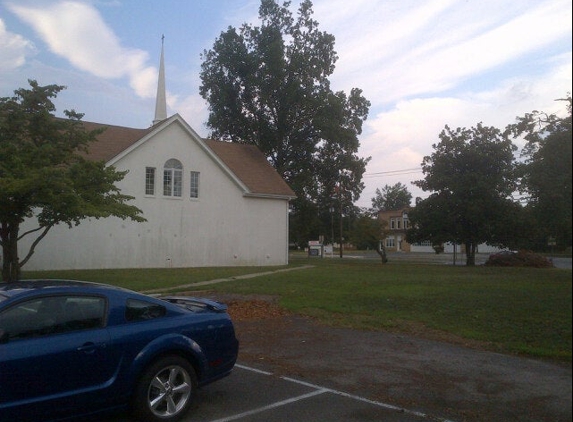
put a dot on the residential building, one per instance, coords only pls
(396, 224)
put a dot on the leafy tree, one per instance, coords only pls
(268, 85)
(391, 198)
(44, 173)
(546, 174)
(367, 231)
(471, 175)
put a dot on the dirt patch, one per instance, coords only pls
(253, 310)
(428, 372)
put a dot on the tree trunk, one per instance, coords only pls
(5, 252)
(381, 249)
(10, 261)
(470, 254)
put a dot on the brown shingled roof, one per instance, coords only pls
(250, 165)
(113, 140)
(247, 162)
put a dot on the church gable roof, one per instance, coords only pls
(250, 165)
(113, 140)
(246, 162)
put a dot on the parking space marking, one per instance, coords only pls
(273, 406)
(321, 390)
(248, 368)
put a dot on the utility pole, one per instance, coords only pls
(340, 201)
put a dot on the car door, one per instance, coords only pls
(56, 348)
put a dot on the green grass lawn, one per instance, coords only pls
(512, 310)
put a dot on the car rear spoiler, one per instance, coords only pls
(196, 304)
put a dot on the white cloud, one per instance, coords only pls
(399, 138)
(14, 49)
(194, 110)
(396, 50)
(77, 32)
(427, 64)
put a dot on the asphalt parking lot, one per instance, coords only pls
(252, 395)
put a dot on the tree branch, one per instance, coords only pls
(34, 244)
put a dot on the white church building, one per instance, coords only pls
(206, 202)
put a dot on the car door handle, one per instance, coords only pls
(90, 347)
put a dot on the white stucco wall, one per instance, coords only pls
(220, 228)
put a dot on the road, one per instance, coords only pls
(444, 259)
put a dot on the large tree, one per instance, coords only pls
(471, 177)
(44, 173)
(268, 85)
(546, 174)
(391, 198)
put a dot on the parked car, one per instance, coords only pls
(71, 348)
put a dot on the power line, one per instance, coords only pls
(395, 172)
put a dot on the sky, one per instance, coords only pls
(422, 64)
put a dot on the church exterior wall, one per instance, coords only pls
(222, 227)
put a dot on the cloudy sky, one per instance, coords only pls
(422, 64)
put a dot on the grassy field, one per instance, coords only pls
(509, 310)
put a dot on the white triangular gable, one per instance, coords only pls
(177, 119)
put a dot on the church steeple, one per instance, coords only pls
(160, 100)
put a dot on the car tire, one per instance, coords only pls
(165, 390)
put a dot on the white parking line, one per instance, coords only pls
(247, 368)
(322, 390)
(272, 406)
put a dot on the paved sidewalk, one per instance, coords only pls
(221, 280)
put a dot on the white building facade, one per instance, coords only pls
(203, 208)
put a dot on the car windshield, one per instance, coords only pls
(3, 298)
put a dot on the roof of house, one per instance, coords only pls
(246, 162)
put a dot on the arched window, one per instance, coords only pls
(173, 178)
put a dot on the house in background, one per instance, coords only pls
(207, 203)
(396, 224)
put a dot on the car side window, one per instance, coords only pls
(140, 310)
(83, 312)
(52, 315)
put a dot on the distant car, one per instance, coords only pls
(71, 348)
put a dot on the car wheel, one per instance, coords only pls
(165, 390)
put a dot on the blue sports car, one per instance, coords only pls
(72, 348)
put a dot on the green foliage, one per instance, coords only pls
(471, 175)
(391, 198)
(546, 175)
(43, 173)
(268, 85)
(366, 232)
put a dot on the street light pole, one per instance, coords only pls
(331, 209)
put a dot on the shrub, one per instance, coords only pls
(518, 259)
